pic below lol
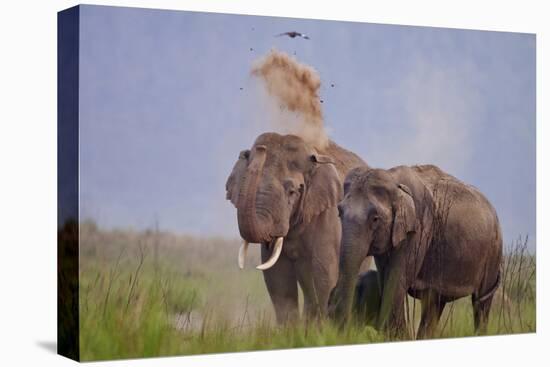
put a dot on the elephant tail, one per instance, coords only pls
(489, 293)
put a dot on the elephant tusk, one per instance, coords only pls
(242, 254)
(274, 255)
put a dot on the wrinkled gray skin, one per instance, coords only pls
(283, 187)
(431, 236)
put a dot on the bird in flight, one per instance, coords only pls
(293, 34)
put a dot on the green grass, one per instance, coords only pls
(156, 294)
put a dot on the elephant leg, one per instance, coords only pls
(391, 316)
(400, 271)
(396, 280)
(317, 265)
(315, 287)
(308, 289)
(282, 287)
(432, 308)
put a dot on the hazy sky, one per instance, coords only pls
(162, 116)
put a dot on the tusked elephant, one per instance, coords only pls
(286, 193)
(431, 235)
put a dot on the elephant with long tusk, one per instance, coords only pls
(286, 193)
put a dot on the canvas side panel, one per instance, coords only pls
(67, 183)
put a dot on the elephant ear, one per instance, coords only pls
(323, 189)
(233, 181)
(404, 221)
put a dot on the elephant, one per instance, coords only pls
(286, 191)
(367, 298)
(432, 237)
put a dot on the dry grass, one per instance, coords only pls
(153, 293)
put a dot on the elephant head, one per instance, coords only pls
(277, 186)
(377, 215)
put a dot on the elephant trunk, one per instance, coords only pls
(252, 228)
(352, 254)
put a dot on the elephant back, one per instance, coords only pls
(344, 160)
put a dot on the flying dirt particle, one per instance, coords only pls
(241, 88)
(295, 87)
(332, 85)
(251, 49)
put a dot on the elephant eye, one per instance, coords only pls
(372, 215)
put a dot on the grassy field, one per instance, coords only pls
(156, 294)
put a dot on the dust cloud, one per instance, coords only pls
(291, 96)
